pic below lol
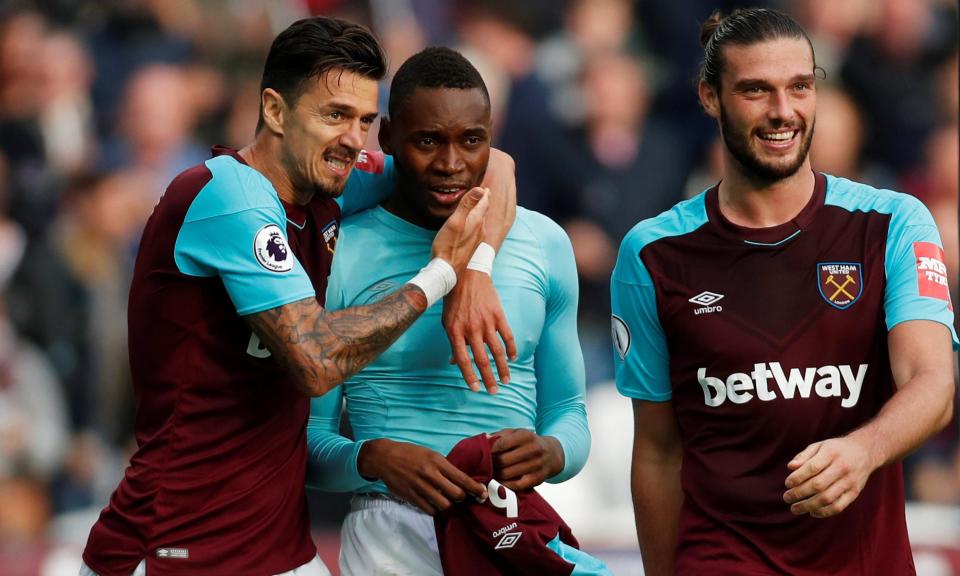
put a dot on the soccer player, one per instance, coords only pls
(785, 337)
(408, 409)
(237, 252)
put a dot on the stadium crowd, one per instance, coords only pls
(102, 103)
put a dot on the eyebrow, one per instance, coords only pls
(750, 82)
(345, 108)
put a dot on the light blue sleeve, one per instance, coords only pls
(641, 360)
(558, 361)
(368, 188)
(583, 563)
(331, 458)
(226, 245)
(916, 275)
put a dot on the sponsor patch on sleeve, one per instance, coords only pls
(931, 271)
(270, 248)
(371, 161)
(621, 336)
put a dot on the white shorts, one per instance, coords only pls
(383, 536)
(312, 568)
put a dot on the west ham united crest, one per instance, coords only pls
(840, 283)
(330, 235)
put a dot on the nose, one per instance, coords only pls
(354, 136)
(448, 160)
(781, 107)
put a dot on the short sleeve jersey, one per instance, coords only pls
(216, 484)
(767, 340)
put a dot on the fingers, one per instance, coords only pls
(483, 364)
(500, 355)
(803, 456)
(806, 465)
(837, 506)
(506, 334)
(814, 486)
(461, 358)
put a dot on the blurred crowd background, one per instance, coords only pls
(103, 102)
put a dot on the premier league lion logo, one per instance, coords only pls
(270, 249)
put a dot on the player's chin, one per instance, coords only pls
(331, 188)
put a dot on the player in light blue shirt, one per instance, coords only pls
(410, 407)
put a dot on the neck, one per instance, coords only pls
(265, 156)
(757, 203)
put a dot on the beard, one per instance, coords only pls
(755, 167)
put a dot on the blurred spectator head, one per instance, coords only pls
(66, 71)
(838, 137)
(24, 510)
(21, 42)
(901, 26)
(500, 30)
(157, 113)
(313, 47)
(617, 98)
(600, 25)
(616, 91)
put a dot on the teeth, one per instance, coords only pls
(339, 164)
(779, 136)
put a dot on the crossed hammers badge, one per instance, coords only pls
(841, 283)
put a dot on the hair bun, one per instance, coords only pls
(710, 27)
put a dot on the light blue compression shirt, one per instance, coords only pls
(411, 393)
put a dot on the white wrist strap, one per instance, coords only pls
(436, 279)
(482, 259)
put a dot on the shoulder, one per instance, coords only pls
(233, 187)
(858, 197)
(683, 218)
(537, 225)
(359, 223)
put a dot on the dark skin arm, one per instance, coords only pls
(416, 474)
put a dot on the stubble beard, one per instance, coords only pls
(738, 143)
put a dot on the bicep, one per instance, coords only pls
(918, 347)
(656, 435)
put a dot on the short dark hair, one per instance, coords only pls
(743, 27)
(311, 47)
(434, 67)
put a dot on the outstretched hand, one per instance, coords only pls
(473, 316)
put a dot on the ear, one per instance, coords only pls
(272, 107)
(709, 99)
(383, 135)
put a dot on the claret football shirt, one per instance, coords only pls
(216, 485)
(767, 340)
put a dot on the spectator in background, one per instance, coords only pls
(890, 70)
(838, 138)
(66, 111)
(629, 167)
(157, 119)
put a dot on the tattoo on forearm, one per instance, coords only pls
(321, 349)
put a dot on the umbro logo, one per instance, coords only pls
(707, 301)
(509, 540)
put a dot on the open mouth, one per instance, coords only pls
(338, 164)
(447, 195)
(778, 139)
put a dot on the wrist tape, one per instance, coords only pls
(482, 259)
(436, 279)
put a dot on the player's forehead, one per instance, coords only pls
(444, 109)
(769, 60)
(342, 88)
